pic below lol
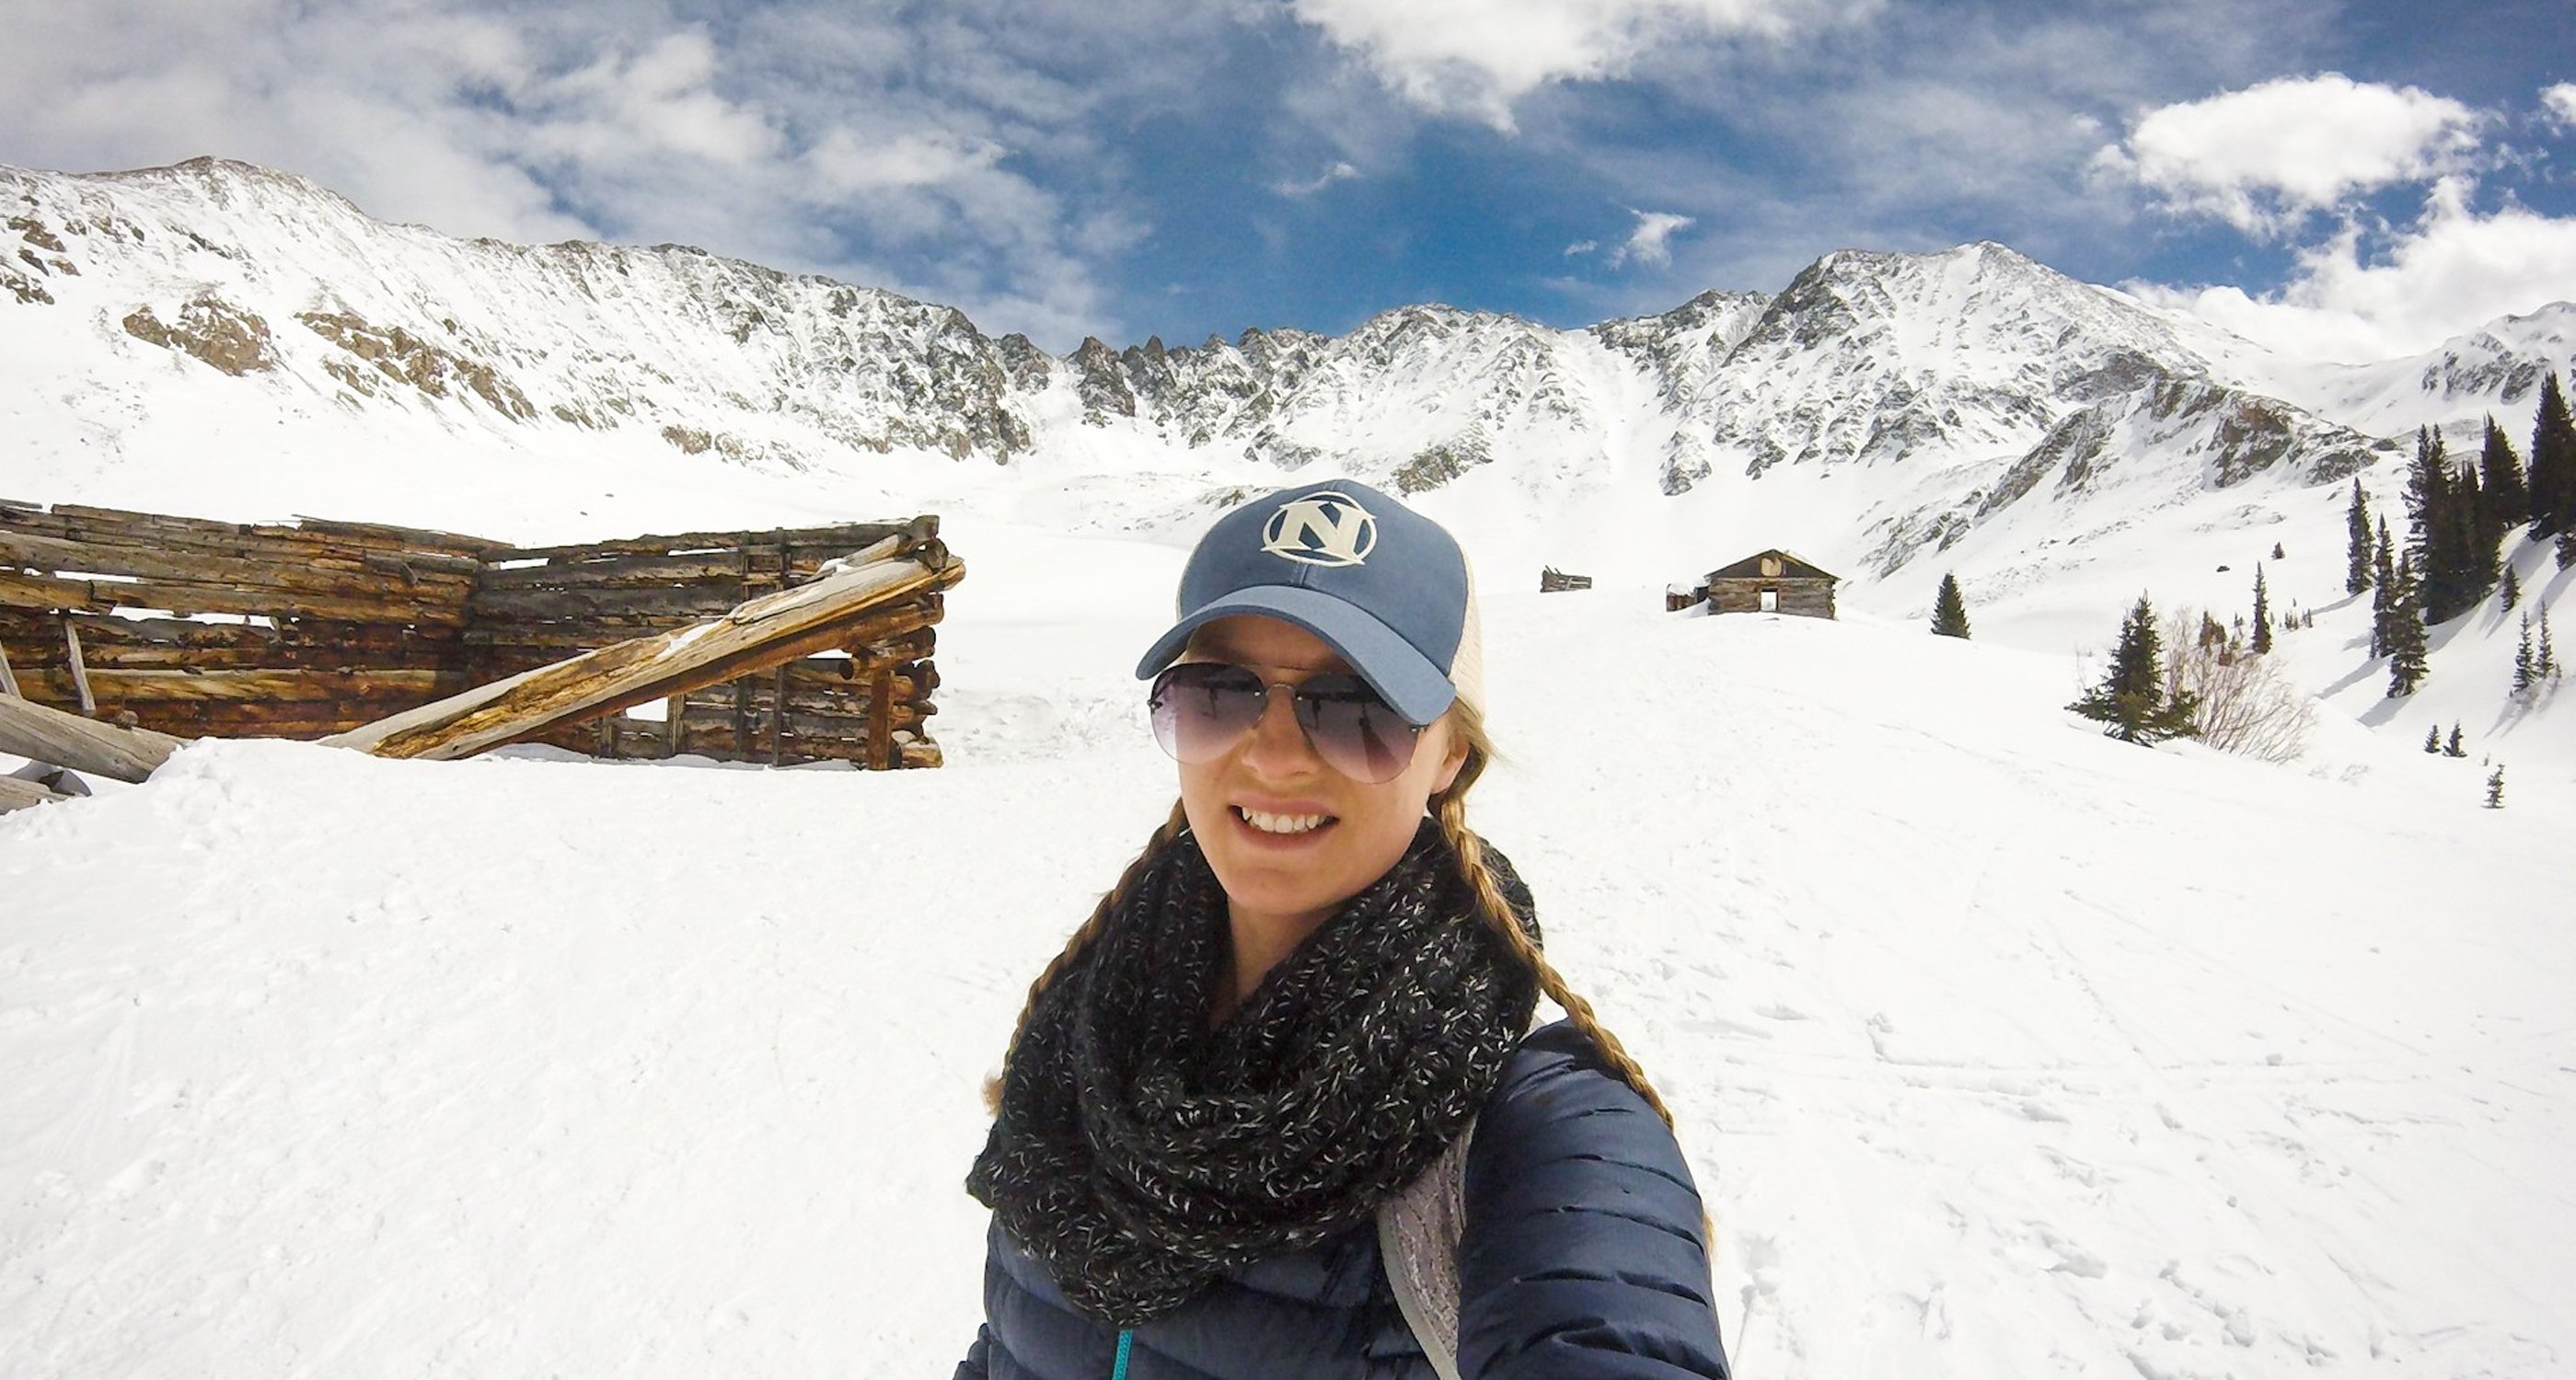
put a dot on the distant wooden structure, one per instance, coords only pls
(1553, 581)
(1773, 581)
(188, 628)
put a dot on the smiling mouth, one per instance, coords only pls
(1284, 825)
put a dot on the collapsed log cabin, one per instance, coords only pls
(318, 629)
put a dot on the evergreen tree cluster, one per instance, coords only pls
(2454, 525)
(2457, 518)
(2132, 698)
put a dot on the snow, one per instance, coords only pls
(1998, 1047)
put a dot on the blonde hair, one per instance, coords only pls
(1449, 808)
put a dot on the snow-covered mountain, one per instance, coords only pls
(1973, 363)
(222, 339)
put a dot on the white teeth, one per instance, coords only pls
(1282, 824)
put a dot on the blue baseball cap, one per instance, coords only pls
(1385, 587)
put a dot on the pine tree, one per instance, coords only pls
(2131, 697)
(2433, 741)
(2500, 474)
(2495, 788)
(2509, 589)
(2455, 747)
(2567, 549)
(2553, 464)
(2544, 665)
(2474, 542)
(2406, 644)
(2383, 589)
(2262, 614)
(1949, 609)
(2276, 552)
(2523, 665)
(2358, 550)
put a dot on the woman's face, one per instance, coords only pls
(1291, 838)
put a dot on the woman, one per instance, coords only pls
(1275, 1110)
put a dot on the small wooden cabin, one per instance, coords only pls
(1772, 581)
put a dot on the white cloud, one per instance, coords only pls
(1651, 242)
(1476, 57)
(847, 163)
(1581, 247)
(912, 152)
(1339, 172)
(2265, 157)
(2453, 271)
(2560, 102)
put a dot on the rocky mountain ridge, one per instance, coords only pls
(1959, 382)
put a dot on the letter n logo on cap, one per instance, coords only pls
(1322, 528)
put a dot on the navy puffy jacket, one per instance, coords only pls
(1583, 1259)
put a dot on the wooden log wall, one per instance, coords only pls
(333, 625)
(1807, 598)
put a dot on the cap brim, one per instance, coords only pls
(1418, 690)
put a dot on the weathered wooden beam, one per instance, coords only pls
(310, 571)
(19, 795)
(613, 572)
(778, 715)
(8, 678)
(839, 539)
(31, 730)
(386, 605)
(80, 674)
(45, 593)
(789, 623)
(880, 722)
(256, 685)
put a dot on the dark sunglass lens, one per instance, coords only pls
(1355, 732)
(1200, 708)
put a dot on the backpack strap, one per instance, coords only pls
(1418, 1231)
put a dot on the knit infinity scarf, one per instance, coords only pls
(1139, 1155)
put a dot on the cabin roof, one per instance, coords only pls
(1794, 567)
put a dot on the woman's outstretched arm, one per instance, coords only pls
(1583, 1255)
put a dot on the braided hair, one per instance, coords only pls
(1449, 808)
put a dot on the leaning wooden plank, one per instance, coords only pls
(29, 729)
(80, 673)
(8, 678)
(18, 795)
(791, 622)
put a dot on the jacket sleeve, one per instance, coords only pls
(973, 1367)
(1582, 1255)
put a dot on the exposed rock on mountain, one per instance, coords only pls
(1947, 391)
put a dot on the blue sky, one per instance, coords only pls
(2353, 179)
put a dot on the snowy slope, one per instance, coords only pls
(1999, 1048)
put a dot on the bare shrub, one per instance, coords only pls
(2246, 705)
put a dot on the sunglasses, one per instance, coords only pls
(1203, 708)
